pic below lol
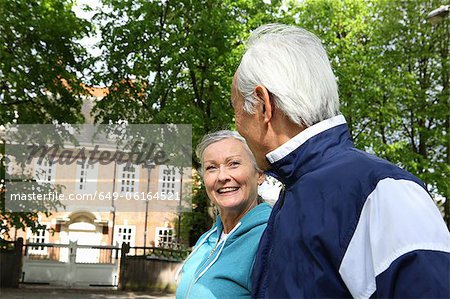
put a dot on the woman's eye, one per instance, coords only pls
(210, 167)
(235, 163)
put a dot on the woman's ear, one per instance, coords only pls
(261, 178)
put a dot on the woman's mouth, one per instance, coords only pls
(226, 190)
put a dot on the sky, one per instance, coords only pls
(88, 42)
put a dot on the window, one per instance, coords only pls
(45, 171)
(129, 178)
(125, 234)
(87, 177)
(163, 236)
(41, 236)
(169, 181)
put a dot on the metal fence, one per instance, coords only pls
(63, 252)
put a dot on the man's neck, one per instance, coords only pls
(283, 131)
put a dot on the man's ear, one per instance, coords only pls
(267, 106)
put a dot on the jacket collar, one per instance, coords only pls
(310, 148)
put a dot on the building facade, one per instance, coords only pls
(109, 204)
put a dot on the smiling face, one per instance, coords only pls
(230, 177)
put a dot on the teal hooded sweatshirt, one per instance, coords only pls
(223, 269)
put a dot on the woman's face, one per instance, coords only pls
(230, 177)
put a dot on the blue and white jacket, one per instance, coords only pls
(349, 224)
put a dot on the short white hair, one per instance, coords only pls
(293, 65)
(217, 136)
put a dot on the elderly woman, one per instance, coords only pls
(220, 265)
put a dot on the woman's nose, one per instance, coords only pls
(223, 174)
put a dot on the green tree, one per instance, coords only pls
(197, 221)
(173, 62)
(40, 67)
(416, 57)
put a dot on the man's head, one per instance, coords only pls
(285, 71)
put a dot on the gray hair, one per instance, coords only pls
(217, 136)
(294, 67)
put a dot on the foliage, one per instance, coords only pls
(198, 221)
(172, 61)
(40, 59)
(416, 55)
(40, 67)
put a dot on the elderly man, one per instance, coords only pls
(347, 223)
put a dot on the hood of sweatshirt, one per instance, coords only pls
(256, 216)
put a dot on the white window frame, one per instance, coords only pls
(129, 180)
(125, 234)
(45, 171)
(41, 236)
(87, 175)
(160, 235)
(169, 181)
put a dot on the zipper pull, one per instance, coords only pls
(214, 249)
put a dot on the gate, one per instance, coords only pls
(70, 265)
(10, 263)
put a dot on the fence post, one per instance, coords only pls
(71, 265)
(123, 254)
(18, 248)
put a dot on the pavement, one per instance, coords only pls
(41, 292)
